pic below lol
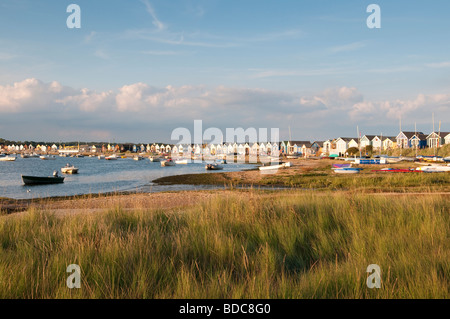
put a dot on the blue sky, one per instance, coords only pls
(136, 70)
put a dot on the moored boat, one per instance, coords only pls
(154, 159)
(111, 158)
(47, 157)
(7, 159)
(213, 167)
(185, 161)
(167, 162)
(42, 180)
(69, 169)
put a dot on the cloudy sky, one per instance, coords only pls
(138, 69)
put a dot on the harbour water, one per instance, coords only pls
(95, 176)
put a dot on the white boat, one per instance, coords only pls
(47, 157)
(7, 159)
(269, 167)
(185, 161)
(101, 157)
(137, 158)
(433, 169)
(154, 159)
(168, 162)
(347, 170)
(393, 160)
(213, 167)
(111, 158)
(25, 156)
(69, 169)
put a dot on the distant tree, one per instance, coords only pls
(352, 151)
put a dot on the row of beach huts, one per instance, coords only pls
(336, 146)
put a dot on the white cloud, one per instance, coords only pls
(156, 22)
(138, 108)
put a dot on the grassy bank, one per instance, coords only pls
(294, 245)
(323, 179)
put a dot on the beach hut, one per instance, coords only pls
(436, 139)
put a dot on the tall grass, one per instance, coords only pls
(295, 245)
(368, 181)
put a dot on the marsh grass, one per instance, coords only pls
(367, 181)
(295, 245)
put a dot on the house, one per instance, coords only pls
(295, 147)
(418, 140)
(306, 149)
(317, 147)
(437, 139)
(254, 150)
(263, 148)
(404, 139)
(389, 142)
(366, 140)
(343, 144)
(327, 146)
(447, 138)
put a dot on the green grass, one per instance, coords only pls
(366, 181)
(294, 245)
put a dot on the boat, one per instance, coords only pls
(69, 169)
(277, 166)
(341, 165)
(25, 156)
(42, 180)
(213, 167)
(79, 155)
(447, 159)
(167, 162)
(137, 158)
(154, 159)
(394, 170)
(46, 157)
(111, 158)
(185, 161)
(101, 157)
(7, 159)
(433, 169)
(347, 170)
(393, 160)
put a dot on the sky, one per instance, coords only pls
(138, 69)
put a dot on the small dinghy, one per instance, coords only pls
(42, 180)
(347, 170)
(47, 158)
(69, 169)
(213, 167)
(7, 159)
(168, 162)
(276, 166)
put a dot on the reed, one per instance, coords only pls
(289, 245)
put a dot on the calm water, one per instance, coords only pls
(95, 176)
